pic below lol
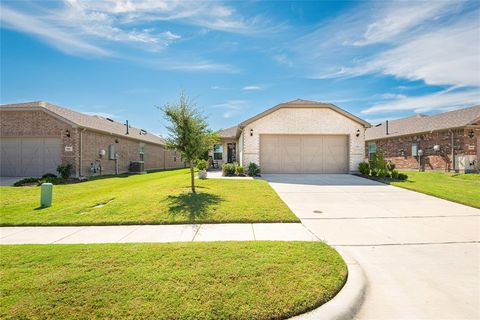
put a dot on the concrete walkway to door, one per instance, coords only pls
(420, 254)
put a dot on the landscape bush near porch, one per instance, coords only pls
(380, 168)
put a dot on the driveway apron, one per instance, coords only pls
(420, 254)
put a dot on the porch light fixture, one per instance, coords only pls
(251, 132)
(471, 134)
(116, 140)
(358, 133)
(436, 148)
(67, 133)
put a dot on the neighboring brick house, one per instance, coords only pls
(36, 137)
(446, 141)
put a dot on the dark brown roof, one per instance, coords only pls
(230, 133)
(422, 123)
(300, 103)
(78, 119)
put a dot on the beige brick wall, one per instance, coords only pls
(304, 121)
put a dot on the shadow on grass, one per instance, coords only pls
(193, 206)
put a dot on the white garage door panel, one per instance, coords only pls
(304, 153)
(29, 156)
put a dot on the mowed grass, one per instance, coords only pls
(216, 280)
(155, 198)
(461, 188)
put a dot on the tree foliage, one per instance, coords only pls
(188, 132)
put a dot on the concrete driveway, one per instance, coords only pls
(420, 254)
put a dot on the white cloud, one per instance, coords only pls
(232, 107)
(435, 42)
(399, 17)
(208, 15)
(251, 88)
(448, 56)
(56, 37)
(100, 114)
(440, 101)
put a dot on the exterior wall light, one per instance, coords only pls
(358, 133)
(67, 133)
(436, 148)
(251, 132)
(471, 134)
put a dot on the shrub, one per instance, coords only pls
(48, 175)
(26, 181)
(253, 169)
(239, 170)
(52, 180)
(65, 170)
(201, 164)
(394, 174)
(364, 168)
(390, 166)
(402, 176)
(228, 169)
(380, 165)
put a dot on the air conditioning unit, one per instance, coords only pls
(137, 167)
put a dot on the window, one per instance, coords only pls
(414, 149)
(142, 151)
(218, 152)
(175, 156)
(372, 150)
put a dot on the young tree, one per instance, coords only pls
(188, 132)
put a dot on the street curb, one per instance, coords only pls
(345, 305)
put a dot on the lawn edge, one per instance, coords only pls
(347, 301)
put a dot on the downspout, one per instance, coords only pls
(453, 148)
(81, 152)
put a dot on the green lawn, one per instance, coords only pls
(461, 188)
(216, 280)
(155, 198)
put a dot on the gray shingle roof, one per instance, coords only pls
(229, 132)
(82, 120)
(422, 123)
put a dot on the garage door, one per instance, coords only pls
(29, 157)
(304, 153)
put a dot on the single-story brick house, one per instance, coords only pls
(299, 136)
(445, 141)
(36, 137)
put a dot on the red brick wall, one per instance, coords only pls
(32, 123)
(155, 156)
(399, 149)
(40, 124)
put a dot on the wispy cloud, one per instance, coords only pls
(251, 88)
(440, 101)
(100, 114)
(232, 107)
(56, 37)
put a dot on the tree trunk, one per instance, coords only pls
(192, 175)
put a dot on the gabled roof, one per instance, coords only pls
(299, 103)
(81, 120)
(230, 133)
(422, 123)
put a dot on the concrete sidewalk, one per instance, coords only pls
(156, 233)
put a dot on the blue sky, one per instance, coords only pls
(379, 60)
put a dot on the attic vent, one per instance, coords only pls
(111, 120)
(143, 132)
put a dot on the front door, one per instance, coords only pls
(231, 152)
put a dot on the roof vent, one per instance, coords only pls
(109, 119)
(143, 132)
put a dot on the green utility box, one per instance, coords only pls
(46, 195)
